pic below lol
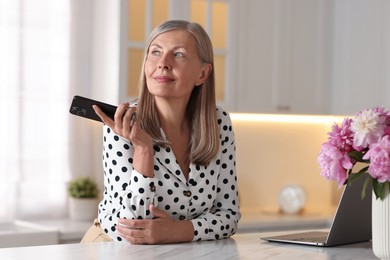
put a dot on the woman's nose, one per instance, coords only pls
(164, 63)
(164, 66)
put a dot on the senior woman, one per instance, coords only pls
(169, 162)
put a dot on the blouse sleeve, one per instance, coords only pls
(222, 219)
(127, 193)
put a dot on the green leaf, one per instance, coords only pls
(357, 156)
(378, 188)
(365, 184)
(355, 176)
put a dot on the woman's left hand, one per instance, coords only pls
(160, 230)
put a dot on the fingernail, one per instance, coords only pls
(133, 118)
(133, 103)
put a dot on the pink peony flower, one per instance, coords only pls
(379, 156)
(369, 125)
(384, 113)
(334, 163)
(366, 139)
(381, 111)
(342, 137)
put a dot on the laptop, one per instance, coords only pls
(351, 223)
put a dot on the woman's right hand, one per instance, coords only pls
(121, 123)
(127, 125)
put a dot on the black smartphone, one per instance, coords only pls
(82, 106)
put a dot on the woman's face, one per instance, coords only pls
(172, 66)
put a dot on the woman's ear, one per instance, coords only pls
(205, 73)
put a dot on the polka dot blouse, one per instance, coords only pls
(209, 199)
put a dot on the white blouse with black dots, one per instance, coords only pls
(209, 198)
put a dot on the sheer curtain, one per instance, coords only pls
(44, 59)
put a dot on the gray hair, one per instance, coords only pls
(201, 109)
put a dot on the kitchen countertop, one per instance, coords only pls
(271, 219)
(252, 221)
(70, 231)
(240, 246)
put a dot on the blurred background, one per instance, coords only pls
(272, 56)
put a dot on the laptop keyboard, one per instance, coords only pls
(311, 239)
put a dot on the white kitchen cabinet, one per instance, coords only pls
(361, 66)
(284, 60)
(300, 56)
(277, 56)
(313, 56)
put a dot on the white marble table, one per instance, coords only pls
(241, 246)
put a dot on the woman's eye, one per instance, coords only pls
(179, 54)
(155, 52)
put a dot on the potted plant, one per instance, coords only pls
(83, 201)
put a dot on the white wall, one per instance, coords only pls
(278, 150)
(105, 50)
(105, 67)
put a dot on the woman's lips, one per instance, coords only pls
(163, 79)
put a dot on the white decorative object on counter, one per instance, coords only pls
(83, 209)
(292, 199)
(381, 225)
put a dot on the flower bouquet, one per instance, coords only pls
(363, 139)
